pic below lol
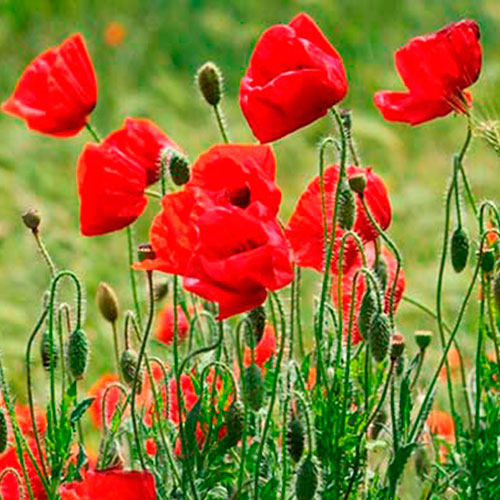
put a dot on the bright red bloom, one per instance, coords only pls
(57, 91)
(111, 485)
(240, 255)
(436, 69)
(294, 76)
(189, 396)
(113, 175)
(265, 348)
(347, 284)
(165, 326)
(9, 489)
(441, 424)
(237, 174)
(113, 397)
(24, 421)
(305, 229)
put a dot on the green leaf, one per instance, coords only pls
(80, 409)
(398, 463)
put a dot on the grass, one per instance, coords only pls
(151, 74)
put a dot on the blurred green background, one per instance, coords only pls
(151, 73)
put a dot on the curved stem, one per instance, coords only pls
(45, 254)
(220, 123)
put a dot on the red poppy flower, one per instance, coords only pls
(57, 91)
(453, 363)
(264, 349)
(240, 255)
(165, 327)
(113, 397)
(238, 174)
(9, 489)
(294, 76)
(436, 70)
(305, 229)
(189, 396)
(113, 175)
(110, 485)
(23, 417)
(347, 283)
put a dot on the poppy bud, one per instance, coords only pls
(367, 309)
(234, 423)
(423, 339)
(128, 367)
(496, 290)
(380, 334)
(209, 79)
(3, 432)
(307, 480)
(107, 302)
(380, 269)
(459, 249)
(254, 331)
(179, 169)
(145, 252)
(397, 346)
(78, 354)
(49, 355)
(488, 261)
(254, 386)
(357, 182)
(31, 219)
(295, 438)
(347, 206)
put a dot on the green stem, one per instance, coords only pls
(93, 132)
(220, 123)
(133, 283)
(45, 254)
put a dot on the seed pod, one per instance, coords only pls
(31, 219)
(107, 302)
(145, 252)
(307, 480)
(423, 339)
(380, 270)
(368, 308)
(358, 183)
(295, 438)
(209, 79)
(254, 386)
(179, 169)
(254, 331)
(3, 432)
(49, 356)
(347, 206)
(128, 367)
(380, 334)
(488, 261)
(459, 249)
(78, 353)
(234, 423)
(496, 290)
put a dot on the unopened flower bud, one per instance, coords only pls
(107, 302)
(257, 322)
(367, 309)
(295, 438)
(459, 249)
(488, 261)
(358, 182)
(234, 423)
(254, 386)
(307, 479)
(209, 79)
(347, 206)
(423, 339)
(3, 432)
(179, 169)
(31, 219)
(145, 252)
(397, 346)
(380, 334)
(380, 270)
(78, 353)
(128, 367)
(48, 353)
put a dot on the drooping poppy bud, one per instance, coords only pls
(459, 249)
(234, 424)
(367, 309)
(128, 367)
(49, 353)
(178, 167)
(3, 432)
(307, 479)
(254, 331)
(380, 334)
(254, 386)
(488, 261)
(78, 353)
(347, 206)
(295, 437)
